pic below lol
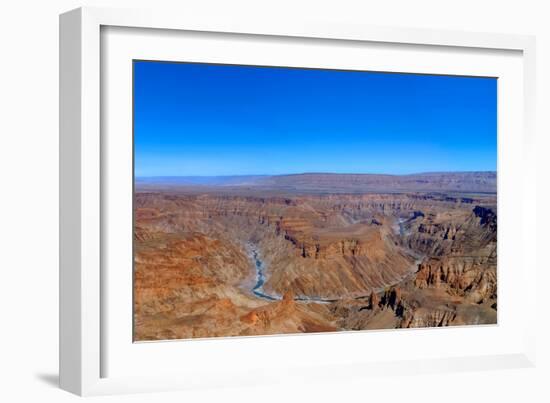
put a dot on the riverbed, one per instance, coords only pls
(260, 266)
(258, 289)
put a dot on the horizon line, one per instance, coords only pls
(316, 173)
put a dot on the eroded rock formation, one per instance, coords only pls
(328, 262)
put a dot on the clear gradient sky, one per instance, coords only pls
(202, 120)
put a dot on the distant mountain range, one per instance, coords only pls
(475, 182)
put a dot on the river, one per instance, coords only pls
(399, 227)
(258, 288)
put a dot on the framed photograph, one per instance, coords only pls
(244, 200)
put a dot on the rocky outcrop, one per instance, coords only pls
(422, 317)
(461, 251)
(459, 232)
(472, 277)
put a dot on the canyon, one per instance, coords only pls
(309, 253)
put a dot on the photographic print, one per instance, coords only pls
(276, 200)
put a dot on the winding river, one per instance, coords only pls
(258, 288)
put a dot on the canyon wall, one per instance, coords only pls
(332, 262)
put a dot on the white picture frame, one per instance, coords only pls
(83, 160)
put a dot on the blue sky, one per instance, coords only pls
(202, 119)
